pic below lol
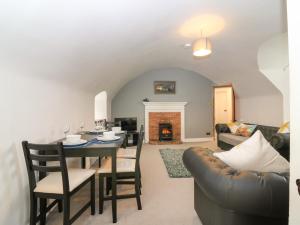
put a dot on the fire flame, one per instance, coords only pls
(166, 131)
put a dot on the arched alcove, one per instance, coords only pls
(101, 106)
(191, 87)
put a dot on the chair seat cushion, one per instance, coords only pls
(232, 139)
(53, 182)
(126, 153)
(123, 166)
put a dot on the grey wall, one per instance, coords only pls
(190, 87)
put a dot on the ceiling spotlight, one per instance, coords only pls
(187, 45)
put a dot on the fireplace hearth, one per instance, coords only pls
(165, 132)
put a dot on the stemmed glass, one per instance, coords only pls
(81, 127)
(66, 130)
(97, 127)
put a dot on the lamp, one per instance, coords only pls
(202, 47)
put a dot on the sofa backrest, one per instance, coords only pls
(280, 142)
(267, 131)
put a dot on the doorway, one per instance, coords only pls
(224, 105)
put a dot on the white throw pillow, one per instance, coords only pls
(255, 154)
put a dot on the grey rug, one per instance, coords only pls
(173, 162)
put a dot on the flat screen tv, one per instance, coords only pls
(128, 124)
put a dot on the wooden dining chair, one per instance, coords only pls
(125, 168)
(127, 153)
(56, 181)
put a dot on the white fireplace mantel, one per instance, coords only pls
(164, 107)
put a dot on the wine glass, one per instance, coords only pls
(81, 127)
(66, 129)
(97, 128)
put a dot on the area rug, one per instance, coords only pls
(173, 162)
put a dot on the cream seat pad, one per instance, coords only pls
(123, 165)
(53, 182)
(126, 153)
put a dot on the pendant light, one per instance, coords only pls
(202, 47)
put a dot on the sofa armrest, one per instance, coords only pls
(253, 193)
(281, 142)
(222, 128)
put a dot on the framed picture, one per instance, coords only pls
(164, 87)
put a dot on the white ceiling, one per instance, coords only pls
(97, 45)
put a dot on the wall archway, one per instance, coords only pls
(101, 106)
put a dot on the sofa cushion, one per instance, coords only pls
(285, 128)
(233, 126)
(231, 139)
(256, 154)
(245, 130)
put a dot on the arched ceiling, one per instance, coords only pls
(101, 45)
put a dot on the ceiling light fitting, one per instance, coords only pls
(202, 47)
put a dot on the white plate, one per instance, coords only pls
(80, 142)
(120, 132)
(101, 138)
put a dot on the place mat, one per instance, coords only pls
(92, 142)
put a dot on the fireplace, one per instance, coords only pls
(164, 112)
(165, 132)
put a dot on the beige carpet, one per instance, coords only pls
(165, 201)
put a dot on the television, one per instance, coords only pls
(128, 124)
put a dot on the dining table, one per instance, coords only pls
(96, 148)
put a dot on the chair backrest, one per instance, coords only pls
(36, 158)
(139, 147)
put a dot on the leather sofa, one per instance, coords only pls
(225, 196)
(226, 140)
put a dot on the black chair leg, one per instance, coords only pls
(66, 210)
(108, 185)
(140, 177)
(101, 194)
(33, 210)
(140, 187)
(140, 183)
(93, 195)
(137, 193)
(43, 209)
(60, 206)
(99, 162)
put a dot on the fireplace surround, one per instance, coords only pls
(162, 112)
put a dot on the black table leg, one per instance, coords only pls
(114, 185)
(83, 162)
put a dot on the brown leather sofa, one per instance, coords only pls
(225, 196)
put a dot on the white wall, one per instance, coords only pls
(264, 110)
(34, 110)
(273, 62)
(294, 56)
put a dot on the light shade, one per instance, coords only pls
(202, 47)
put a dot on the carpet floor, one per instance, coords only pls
(165, 200)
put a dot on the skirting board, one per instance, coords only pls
(198, 139)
